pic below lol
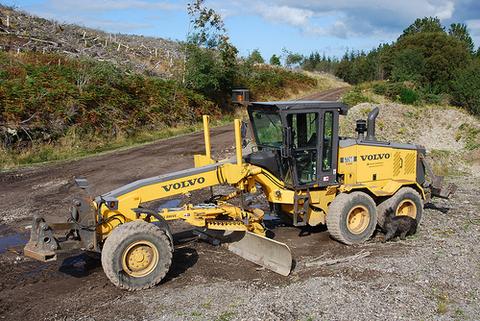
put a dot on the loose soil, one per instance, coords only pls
(434, 275)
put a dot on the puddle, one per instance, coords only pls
(268, 217)
(173, 203)
(80, 265)
(12, 240)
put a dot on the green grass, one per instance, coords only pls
(71, 147)
(226, 316)
(470, 134)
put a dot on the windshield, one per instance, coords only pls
(268, 128)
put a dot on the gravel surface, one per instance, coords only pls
(434, 275)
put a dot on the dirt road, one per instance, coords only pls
(397, 280)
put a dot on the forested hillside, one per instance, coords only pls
(428, 63)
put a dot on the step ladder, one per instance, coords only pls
(301, 203)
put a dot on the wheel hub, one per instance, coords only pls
(407, 208)
(358, 219)
(140, 258)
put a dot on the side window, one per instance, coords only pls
(327, 141)
(304, 130)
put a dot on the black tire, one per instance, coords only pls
(142, 237)
(404, 194)
(352, 207)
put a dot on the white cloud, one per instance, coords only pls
(109, 5)
(345, 17)
(474, 26)
(445, 11)
(285, 14)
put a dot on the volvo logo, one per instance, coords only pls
(187, 183)
(374, 157)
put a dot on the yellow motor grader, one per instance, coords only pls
(300, 163)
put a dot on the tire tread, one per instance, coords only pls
(335, 213)
(117, 236)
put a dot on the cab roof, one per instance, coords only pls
(300, 105)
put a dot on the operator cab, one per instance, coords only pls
(297, 140)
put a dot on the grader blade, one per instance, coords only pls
(271, 254)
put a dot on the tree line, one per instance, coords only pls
(430, 59)
(428, 62)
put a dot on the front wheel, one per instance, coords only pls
(136, 255)
(352, 218)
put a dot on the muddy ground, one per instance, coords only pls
(434, 275)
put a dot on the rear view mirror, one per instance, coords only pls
(83, 184)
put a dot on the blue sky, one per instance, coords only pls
(327, 26)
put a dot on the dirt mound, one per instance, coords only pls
(450, 135)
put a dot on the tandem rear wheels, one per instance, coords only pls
(352, 217)
(137, 255)
(406, 201)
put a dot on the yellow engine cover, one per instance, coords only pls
(377, 166)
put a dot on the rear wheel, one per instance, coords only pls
(406, 201)
(352, 217)
(136, 255)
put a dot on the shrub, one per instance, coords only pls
(465, 88)
(408, 96)
(380, 88)
(470, 134)
(52, 94)
(267, 82)
(355, 97)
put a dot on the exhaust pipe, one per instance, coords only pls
(361, 129)
(371, 124)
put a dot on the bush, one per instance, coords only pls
(431, 98)
(56, 94)
(470, 134)
(399, 91)
(268, 82)
(465, 88)
(408, 96)
(380, 88)
(355, 97)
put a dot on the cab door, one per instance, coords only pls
(305, 129)
(314, 146)
(327, 165)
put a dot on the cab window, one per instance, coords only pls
(327, 141)
(304, 130)
(268, 129)
(304, 136)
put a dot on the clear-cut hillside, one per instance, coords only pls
(20, 31)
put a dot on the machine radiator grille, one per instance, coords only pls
(397, 164)
(410, 163)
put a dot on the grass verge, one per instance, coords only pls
(71, 147)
